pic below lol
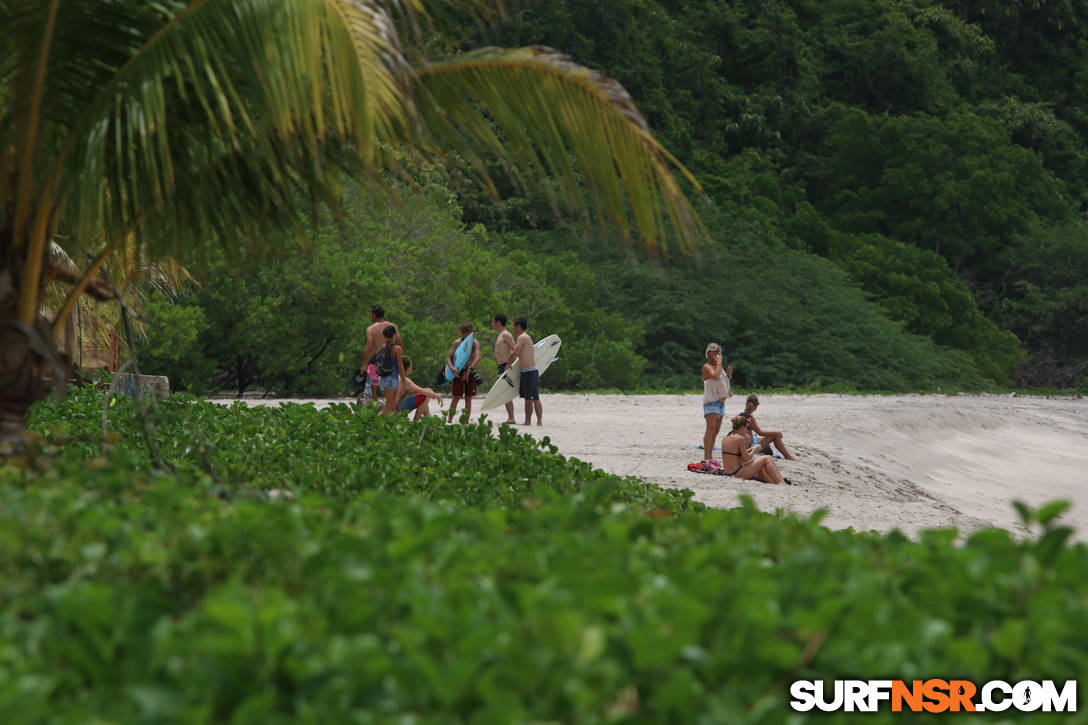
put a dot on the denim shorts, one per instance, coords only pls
(717, 408)
(389, 382)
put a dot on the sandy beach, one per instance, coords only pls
(905, 462)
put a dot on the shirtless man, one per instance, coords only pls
(374, 342)
(504, 352)
(530, 376)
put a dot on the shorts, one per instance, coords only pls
(464, 388)
(410, 402)
(389, 382)
(716, 408)
(530, 384)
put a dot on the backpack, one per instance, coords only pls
(384, 362)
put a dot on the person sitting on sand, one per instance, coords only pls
(766, 437)
(412, 397)
(739, 459)
(715, 391)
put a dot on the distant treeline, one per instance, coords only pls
(895, 197)
(936, 152)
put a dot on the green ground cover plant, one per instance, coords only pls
(442, 574)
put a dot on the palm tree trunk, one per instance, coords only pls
(18, 373)
(28, 357)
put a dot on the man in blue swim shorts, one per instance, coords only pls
(530, 376)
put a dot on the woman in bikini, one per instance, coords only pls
(766, 437)
(715, 391)
(738, 458)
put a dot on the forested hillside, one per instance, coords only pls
(934, 151)
(894, 195)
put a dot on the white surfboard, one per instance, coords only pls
(505, 389)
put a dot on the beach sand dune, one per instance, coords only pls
(883, 462)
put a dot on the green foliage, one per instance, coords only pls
(917, 287)
(1046, 302)
(786, 319)
(872, 133)
(133, 596)
(927, 148)
(173, 348)
(295, 322)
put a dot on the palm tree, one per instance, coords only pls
(183, 123)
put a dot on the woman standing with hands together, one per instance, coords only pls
(715, 391)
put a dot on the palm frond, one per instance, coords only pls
(565, 120)
(202, 79)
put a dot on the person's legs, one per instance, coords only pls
(713, 423)
(372, 379)
(453, 406)
(423, 408)
(781, 446)
(531, 394)
(469, 395)
(768, 471)
(763, 467)
(510, 412)
(390, 406)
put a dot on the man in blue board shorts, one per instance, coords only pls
(530, 376)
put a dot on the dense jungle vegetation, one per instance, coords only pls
(894, 198)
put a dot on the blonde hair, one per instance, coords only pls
(738, 421)
(751, 404)
(712, 347)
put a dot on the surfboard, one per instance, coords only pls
(505, 389)
(460, 357)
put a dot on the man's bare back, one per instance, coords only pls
(374, 339)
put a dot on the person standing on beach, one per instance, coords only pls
(374, 342)
(504, 352)
(389, 363)
(464, 381)
(715, 392)
(530, 376)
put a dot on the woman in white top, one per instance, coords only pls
(715, 391)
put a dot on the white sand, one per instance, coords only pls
(904, 462)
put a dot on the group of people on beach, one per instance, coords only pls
(385, 374)
(746, 449)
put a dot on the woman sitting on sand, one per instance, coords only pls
(766, 437)
(715, 391)
(738, 458)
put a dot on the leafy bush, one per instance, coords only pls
(296, 323)
(786, 318)
(130, 595)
